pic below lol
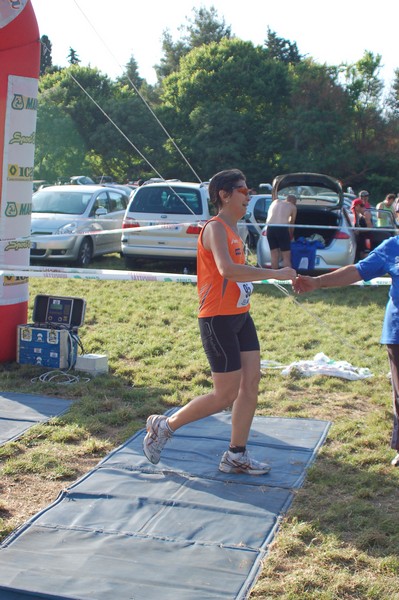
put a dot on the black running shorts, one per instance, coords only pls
(279, 237)
(224, 337)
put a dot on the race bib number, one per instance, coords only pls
(245, 294)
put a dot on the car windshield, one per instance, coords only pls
(311, 195)
(167, 200)
(60, 202)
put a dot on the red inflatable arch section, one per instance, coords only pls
(19, 74)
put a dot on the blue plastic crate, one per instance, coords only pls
(303, 255)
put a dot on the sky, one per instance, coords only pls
(107, 34)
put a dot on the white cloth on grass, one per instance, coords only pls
(321, 365)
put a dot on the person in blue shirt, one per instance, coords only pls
(381, 261)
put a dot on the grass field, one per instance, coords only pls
(340, 539)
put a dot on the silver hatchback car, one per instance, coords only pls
(73, 223)
(163, 221)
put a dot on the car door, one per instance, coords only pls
(106, 215)
(116, 203)
(99, 222)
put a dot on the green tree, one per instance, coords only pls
(130, 143)
(363, 83)
(110, 125)
(74, 89)
(316, 121)
(386, 177)
(59, 149)
(367, 130)
(172, 53)
(227, 101)
(68, 110)
(205, 27)
(392, 103)
(73, 57)
(131, 74)
(46, 60)
(282, 49)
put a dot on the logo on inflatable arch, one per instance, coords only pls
(18, 245)
(19, 173)
(14, 280)
(20, 102)
(15, 4)
(15, 210)
(19, 138)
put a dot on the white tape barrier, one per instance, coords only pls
(113, 274)
(176, 225)
(92, 232)
(372, 282)
(96, 274)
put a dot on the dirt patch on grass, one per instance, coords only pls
(23, 496)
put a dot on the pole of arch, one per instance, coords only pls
(19, 74)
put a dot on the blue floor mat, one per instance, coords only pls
(18, 412)
(177, 530)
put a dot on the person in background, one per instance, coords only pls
(365, 196)
(396, 209)
(227, 330)
(379, 262)
(388, 204)
(361, 218)
(281, 213)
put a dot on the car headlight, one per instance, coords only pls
(68, 228)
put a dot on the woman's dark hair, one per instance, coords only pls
(224, 180)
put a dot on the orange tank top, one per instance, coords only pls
(217, 295)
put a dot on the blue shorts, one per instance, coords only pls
(224, 337)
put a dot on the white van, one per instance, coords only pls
(163, 220)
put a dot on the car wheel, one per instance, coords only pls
(85, 253)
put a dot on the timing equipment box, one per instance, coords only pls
(54, 348)
(52, 340)
(59, 311)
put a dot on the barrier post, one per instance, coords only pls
(19, 74)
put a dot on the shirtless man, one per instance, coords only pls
(281, 212)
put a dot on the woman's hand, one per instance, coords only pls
(284, 273)
(304, 283)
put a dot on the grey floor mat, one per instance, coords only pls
(18, 412)
(177, 530)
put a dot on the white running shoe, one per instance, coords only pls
(157, 435)
(241, 462)
(395, 461)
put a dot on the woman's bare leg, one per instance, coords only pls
(226, 387)
(245, 404)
